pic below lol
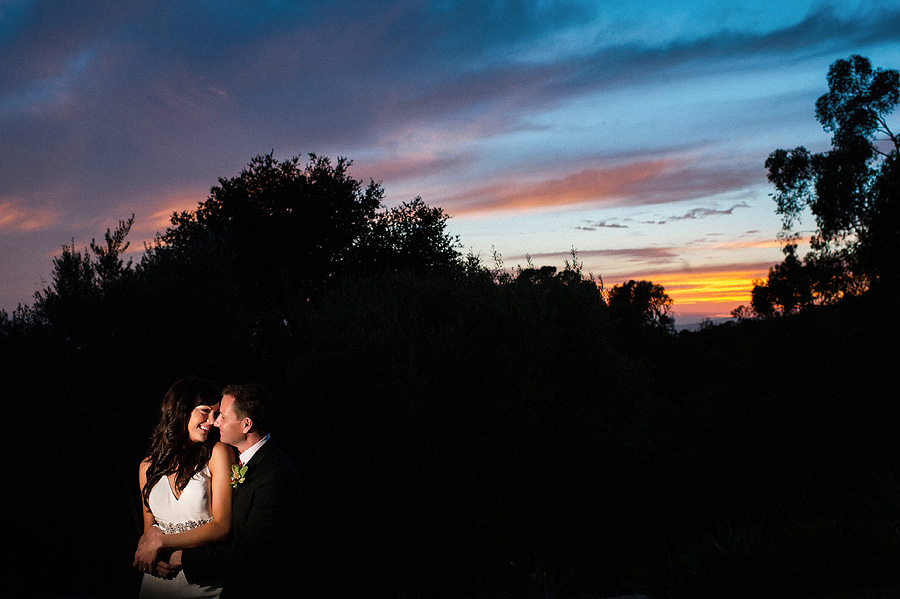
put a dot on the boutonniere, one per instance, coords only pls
(238, 471)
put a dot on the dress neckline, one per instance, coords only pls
(171, 485)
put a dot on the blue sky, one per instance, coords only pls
(632, 132)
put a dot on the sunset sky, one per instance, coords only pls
(632, 132)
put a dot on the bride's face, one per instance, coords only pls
(201, 422)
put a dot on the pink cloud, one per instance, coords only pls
(639, 182)
(407, 166)
(15, 218)
(611, 184)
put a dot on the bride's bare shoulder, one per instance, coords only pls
(224, 451)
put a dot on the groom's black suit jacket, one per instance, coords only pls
(262, 556)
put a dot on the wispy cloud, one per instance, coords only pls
(643, 255)
(698, 213)
(505, 91)
(602, 224)
(16, 218)
(648, 181)
(410, 165)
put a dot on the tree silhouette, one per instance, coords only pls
(110, 268)
(850, 190)
(80, 283)
(410, 236)
(641, 304)
(293, 229)
(290, 227)
(70, 292)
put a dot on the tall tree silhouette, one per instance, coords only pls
(110, 267)
(81, 286)
(850, 190)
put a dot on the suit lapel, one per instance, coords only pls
(259, 456)
(253, 466)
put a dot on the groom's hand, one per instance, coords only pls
(169, 569)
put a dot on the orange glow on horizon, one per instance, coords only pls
(708, 293)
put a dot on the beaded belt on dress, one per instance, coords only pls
(173, 527)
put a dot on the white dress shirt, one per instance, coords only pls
(251, 451)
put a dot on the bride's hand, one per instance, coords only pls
(147, 553)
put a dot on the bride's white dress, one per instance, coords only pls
(192, 509)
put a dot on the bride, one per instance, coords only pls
(185, 487)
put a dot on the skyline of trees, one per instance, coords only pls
(276, 235)
(850, 191)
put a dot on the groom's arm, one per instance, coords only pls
(209, 562)
(272, 524)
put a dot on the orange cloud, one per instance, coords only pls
(587, 185)
(160, 217)
(747, 244)
(15, 218)
(650, 181)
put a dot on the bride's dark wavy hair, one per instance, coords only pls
(171, 449)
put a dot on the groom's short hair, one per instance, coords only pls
(251, 400)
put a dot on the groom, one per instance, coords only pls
(261, 557)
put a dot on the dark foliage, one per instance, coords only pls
(465, 432)
(639, 305)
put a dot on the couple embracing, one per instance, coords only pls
(221, 519)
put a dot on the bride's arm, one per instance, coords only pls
(154, 541)
(149, 520)
(220, 468)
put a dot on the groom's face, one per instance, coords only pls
(231, 429)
